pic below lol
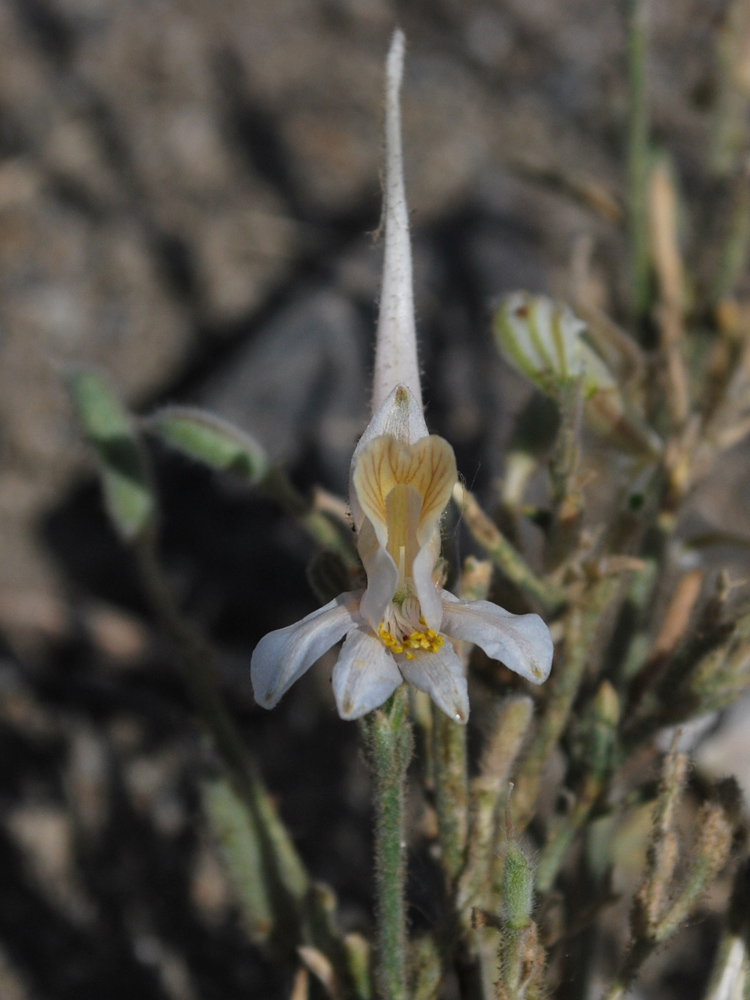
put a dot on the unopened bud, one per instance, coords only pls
(518, 879)
(603, 720)
(476, 578)
(716, 832)
(210, 440)
(544, 340)
(518, 889)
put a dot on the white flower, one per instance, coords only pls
(401, 626)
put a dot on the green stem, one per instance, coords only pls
(327, 532)
(287, 876)
(596, 756)
(389, 739)
(637, 28)
(451, 792)
(556, 849)
(734, 250)
(637, 955)
(583, 624)
(567, 502)
(502, 553)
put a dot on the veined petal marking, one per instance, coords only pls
(428, 465)
(401, 415)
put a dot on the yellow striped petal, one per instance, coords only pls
(427, 467)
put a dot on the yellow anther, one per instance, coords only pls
(385, 636)
(428, 640)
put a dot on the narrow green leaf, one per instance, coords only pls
(210, 440)
(128, 496)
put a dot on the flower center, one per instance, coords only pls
(408, 642)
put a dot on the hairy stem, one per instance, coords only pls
(388, 734)
(567, 502)
(583, 624)
(510, 563)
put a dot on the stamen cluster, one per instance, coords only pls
(428, 640)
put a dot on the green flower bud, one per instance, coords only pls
(545, 341)
(601, 723)
(542, 339)
(518, 888)
(210, 440)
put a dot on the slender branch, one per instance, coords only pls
(730, 119)
(286, 873)
(487, 793)
(388, 735)
(736, 240)
(451, 792)
(600, 726)
(567, 500)
(505, 557)
(637, 21)
(582, 625)
(663, 210)
(326, 529)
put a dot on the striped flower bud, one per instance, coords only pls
(544, 340)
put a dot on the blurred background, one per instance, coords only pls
(188, 193)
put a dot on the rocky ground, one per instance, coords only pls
(187, 193)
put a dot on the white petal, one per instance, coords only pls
(400, 415)
(382, 580)
(521, 642)
(281, 657)
(441, 676)
(427, 592)
(364, 676)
